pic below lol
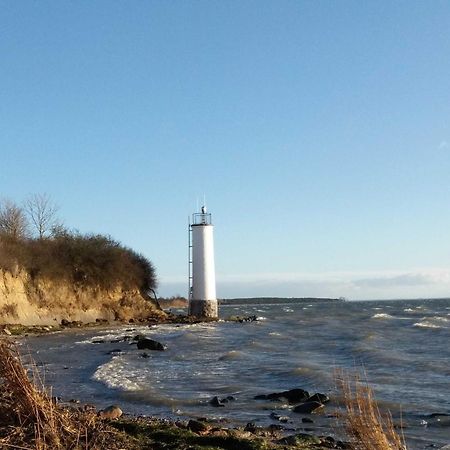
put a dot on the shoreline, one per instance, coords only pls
(136, 432)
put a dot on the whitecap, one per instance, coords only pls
(433, 322)
(382, 316)
(118, 374)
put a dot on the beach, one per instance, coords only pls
(400, 346)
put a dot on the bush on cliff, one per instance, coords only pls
(87, 260)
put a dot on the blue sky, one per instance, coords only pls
(319, 132)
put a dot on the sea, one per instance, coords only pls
(400, 348)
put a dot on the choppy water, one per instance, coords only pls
(403, 346)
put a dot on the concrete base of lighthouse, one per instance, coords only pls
(204, 308)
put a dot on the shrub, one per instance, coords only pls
(84, 260)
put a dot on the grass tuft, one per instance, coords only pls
(30, 419)
(368, 428)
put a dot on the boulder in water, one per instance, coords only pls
(216, 402)
(318, 397)
(308, 407)
(293, 396)
(149, 344)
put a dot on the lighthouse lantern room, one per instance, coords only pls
(202, 277)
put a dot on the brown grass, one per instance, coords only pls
(29, 418)
(368, 428)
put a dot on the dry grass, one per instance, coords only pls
(29, 418)
(365, 424)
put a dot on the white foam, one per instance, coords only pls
(118, 374)
(382, 316)
(433, 322)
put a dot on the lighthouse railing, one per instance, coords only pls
(201, 219)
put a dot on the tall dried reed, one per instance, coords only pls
(368, 428)
(30, 419)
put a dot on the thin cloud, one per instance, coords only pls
(419, 283)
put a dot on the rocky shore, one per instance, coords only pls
(195, 433)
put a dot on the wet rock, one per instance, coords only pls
(139, 337)
(293, 396)
(308, 407)
(307, 420)
(145, 355)
(111, 412)
(300, 439)
(197, 426)
(231, 398)
(216, 402)
(318, 397)
(251, 427)
(149, 344)
(101, 320)
(116, 351)
(276, 416)
(247, 319)
(98, 341)
(74, 400)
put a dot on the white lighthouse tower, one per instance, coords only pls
(202, 276)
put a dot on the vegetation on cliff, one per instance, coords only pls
(65, 274)
(31, 238)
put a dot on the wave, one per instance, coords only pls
(233, 354)
(382, 316)
(433, 322)
(118, 374)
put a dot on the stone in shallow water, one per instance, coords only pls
(149, 344)
(318, 397)
(308, 407)
(292, 396)
(216, 402)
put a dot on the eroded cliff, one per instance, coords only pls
(43, 301)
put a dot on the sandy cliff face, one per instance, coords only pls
(45, 302)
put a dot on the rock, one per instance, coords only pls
(111, 412)
(293, 396)
(139, 337)
(116, 351)
(251, 427)
(260, 397)
(300, 439)
(149, 344)
(65, 322)
(308, 407)
(247, 319)
(307, 420)
(6, 331)
(318, 397)
(216, 402)
(196, 426)
(145, 355)
(74, 400)
(276, 416)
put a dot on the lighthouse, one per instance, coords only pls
(202, 276)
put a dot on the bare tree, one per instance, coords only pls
(13, 220)
(42, 213)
